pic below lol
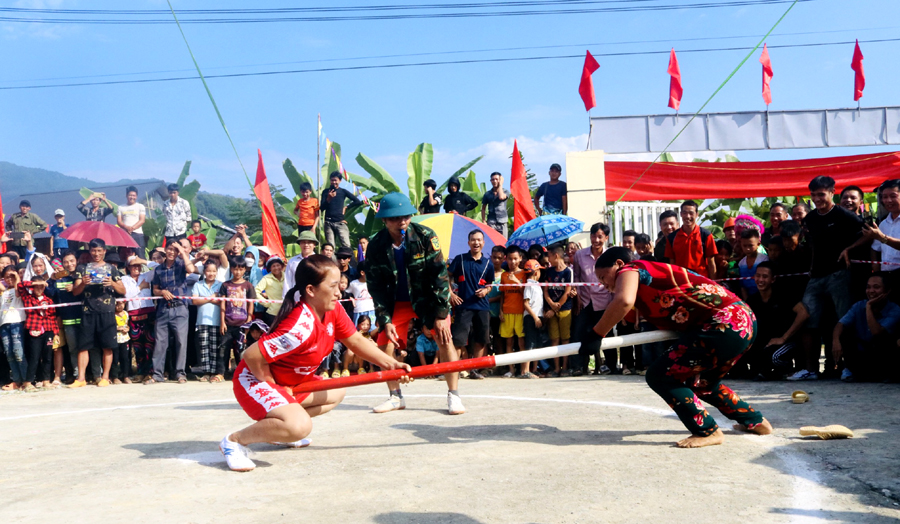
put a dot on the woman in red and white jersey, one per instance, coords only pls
(302, 335)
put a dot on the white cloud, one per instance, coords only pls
(37, 30)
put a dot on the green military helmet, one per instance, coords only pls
(395, 205)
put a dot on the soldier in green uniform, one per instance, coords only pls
(407, 278)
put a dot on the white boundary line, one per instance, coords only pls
(807, 493)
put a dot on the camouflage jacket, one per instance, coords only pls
(429, 283)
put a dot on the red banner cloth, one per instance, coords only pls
(859, 80)
(271, 233)
(675, 90)
(699, 180)
(586, 87)
(767, 74)
(522, 204)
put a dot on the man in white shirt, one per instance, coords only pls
(308, 243)
(889, 229)
(178, 215)
(131, 218)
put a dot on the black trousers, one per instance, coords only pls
(39, 354)
(587, 318)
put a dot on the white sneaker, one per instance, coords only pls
(508, 374)
(804, 375)
(302, 443)
(236, 455)
(454, 404)
(392, 404)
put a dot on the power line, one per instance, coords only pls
(434, 63)
(455, 52)
(404, 16)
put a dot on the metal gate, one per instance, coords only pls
(642, 217)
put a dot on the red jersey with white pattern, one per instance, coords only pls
(301, 342)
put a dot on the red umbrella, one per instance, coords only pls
(87, 231)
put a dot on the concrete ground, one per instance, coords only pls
(588, 449)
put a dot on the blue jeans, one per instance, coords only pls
(11, 335)
(834, 287)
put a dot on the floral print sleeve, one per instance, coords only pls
(671, 297)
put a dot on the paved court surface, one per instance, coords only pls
(595, 449)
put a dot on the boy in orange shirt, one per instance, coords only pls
(307, 209)
(512, 306)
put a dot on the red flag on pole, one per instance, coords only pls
(860, 81)
(271, 233)
(586, 87)
(524, 207)
(675, 90)
(767, 74)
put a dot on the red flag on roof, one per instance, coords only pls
(675, 90)
(767, 75)
(524, 207)
(271, 233)
(859, 82)
(586, 87)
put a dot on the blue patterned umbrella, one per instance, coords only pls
(545, 230)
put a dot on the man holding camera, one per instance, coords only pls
(18, 225)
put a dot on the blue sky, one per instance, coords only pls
(149, 130)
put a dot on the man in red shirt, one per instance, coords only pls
(692, 246)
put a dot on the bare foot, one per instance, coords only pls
(701, 442)
(763, 428)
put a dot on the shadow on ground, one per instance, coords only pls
(188, 450)
(837, 516)
(530, 433)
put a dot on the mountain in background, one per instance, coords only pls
(17, 180)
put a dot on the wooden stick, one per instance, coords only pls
(507, 359)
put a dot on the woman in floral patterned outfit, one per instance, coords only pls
(716, 328)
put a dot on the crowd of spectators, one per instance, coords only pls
(817, 278)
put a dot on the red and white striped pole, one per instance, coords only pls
(507, 359)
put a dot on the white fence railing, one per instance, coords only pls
(642, 217)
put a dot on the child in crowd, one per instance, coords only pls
(558, 305)
(534, 307)
(58, 244)
(513, 306)
(363, 326)
(346, 297)
(752, 258)
(196, 238)
(498, 255)
(12, 320)
(209, 322)
(70, 316)
(40, 328)
(306, 209)
(644, 247)
(427, 348)
(629, 239)
(234, 314)
(122, 355)
(251, 331)
(363, 305)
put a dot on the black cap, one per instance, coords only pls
(344, 252)
(112, 258)
(25, 203)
